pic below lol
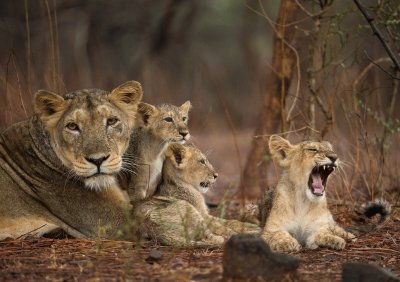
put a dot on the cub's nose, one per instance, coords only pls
(215, 175)
(97, 161)
(332, 157)
(184, 133)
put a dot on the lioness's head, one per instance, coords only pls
(307, 164)
(187, 164)
(166, 121)
(89, 129)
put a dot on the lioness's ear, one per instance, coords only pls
(279, 148)
(50, 106)
(178, 155)
(146, 111)
(186, 106)
(126, 97)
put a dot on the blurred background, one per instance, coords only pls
(316, 63)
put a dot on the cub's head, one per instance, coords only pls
(187, 164)
(307, 164)
(89, 129)
(166, 121)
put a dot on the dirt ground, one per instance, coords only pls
(99, 260)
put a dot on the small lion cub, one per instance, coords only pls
(299, 215)
(177, 214)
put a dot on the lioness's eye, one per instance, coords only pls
(72, 126)
(312, 150)
(184, 118)
(203, 161)
(111, 121)
(168, 119)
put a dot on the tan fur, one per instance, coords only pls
(177, 215)
(57, 168)
(158, 127)
(298, 217)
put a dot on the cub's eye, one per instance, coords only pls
(184, 118)
(112, 121)
(72, 126)
(168, 119)
(203, 161)
(312, 150)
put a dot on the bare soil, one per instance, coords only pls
(47, 259)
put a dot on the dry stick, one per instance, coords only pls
(378, 33)
(232, 128)
(56, 46)
(19, 86)
(28, 55)
(53, 55)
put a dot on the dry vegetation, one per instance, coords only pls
(326, 70)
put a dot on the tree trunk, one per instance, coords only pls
(273, 109)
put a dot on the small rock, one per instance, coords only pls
(247, 256)
(355, 271)
(154, 256)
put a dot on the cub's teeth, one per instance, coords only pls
(323, 167)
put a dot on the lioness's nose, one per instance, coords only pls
(97, 161)
(215, 175)
(332, 157)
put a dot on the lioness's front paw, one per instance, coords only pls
(285, 245)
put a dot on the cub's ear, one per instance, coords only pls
(279, 148)
(50, 106)
(126, 97)
(146, 111)
(178, 155)
(186, 106)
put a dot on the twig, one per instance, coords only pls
(380, 67)
(278, 35)
(31, 231)
(377, 32)
(287, 132)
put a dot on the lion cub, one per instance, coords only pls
(159, 126)
(177, 214)
(299, 215)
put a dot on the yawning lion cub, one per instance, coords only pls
(299, 215)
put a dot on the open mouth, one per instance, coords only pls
(205, 185)
(318, 177)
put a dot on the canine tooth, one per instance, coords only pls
(324, 167)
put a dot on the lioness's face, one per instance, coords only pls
(308, 164)
(90, 130)
(190, 165)
(168, 122)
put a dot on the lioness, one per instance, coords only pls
(299, 215)
(57, 169)
(158, 127)
(177, 215)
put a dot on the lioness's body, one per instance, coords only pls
(299, 215)
(177, 215)
(148, 143)
(45, 184)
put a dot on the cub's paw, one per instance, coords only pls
(286, 245)
(350, 237)
(215, 240)
(331, 241)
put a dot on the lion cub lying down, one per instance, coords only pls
(177, 215)
(299, 215)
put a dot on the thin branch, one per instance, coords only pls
(280, 37)
(377, 32)
(381, 68)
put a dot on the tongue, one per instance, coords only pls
(317, 183)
